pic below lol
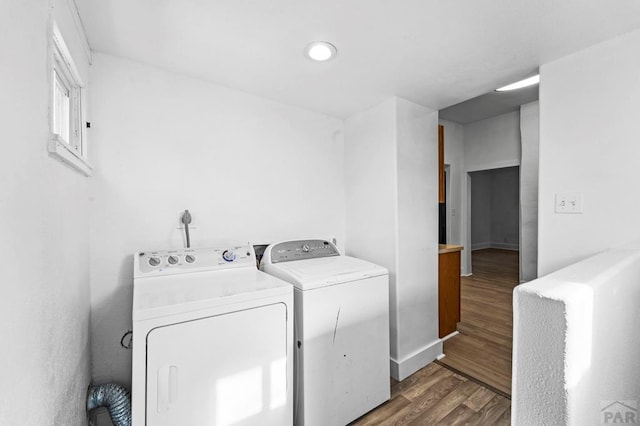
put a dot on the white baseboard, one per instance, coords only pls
(480, 246)
(400, 370)
(506, 246)
(502, 246)
(450, 335)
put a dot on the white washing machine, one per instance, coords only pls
(341, 330)
(212, 340)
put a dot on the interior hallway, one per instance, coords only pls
(482, 349)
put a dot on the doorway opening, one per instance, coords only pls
(491, 212)
(495, 204)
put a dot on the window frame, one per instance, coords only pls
(62, 67)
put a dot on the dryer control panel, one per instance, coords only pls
(301, 250)
(166, 262)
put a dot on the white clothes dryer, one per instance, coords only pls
(341, 330)
(212, 340)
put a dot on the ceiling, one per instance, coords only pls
(435, 53)
(489, 105)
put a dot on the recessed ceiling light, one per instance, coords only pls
(320, 51)
(520, 84)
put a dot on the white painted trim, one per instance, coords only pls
(400, 370)
(449, 336)
(75, 13)
(491, 166)
(65, 54)
(60, 150)
(506, 246)
(466, 207)
(481, 246)
(59, 54)
(501, 246)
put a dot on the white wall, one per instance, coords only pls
(492, 143)
(576, 341)
(589, 133)
(495, 218)
(391, 199)
(371, 192)
(454, 158)
(44, 308)
(505, 208)
(488, 144)
(480, 210)
(417, 251)
(247, 168)
(530, 138)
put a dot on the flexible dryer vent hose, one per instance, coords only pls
(115, 399)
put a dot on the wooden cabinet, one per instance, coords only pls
(448, 288)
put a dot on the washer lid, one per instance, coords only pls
(325, 271)
(175, 294)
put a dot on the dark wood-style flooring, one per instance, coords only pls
(482, 349)
(436, 395)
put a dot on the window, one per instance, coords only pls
(68, 137)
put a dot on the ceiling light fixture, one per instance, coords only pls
(520, 84)
(320, 51)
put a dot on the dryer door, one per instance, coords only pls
(221, 370)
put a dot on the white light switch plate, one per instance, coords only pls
(569, 202)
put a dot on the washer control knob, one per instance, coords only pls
(190, 258)
(173, 259)
(229, 255)
(154, 261)
(306, 248)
